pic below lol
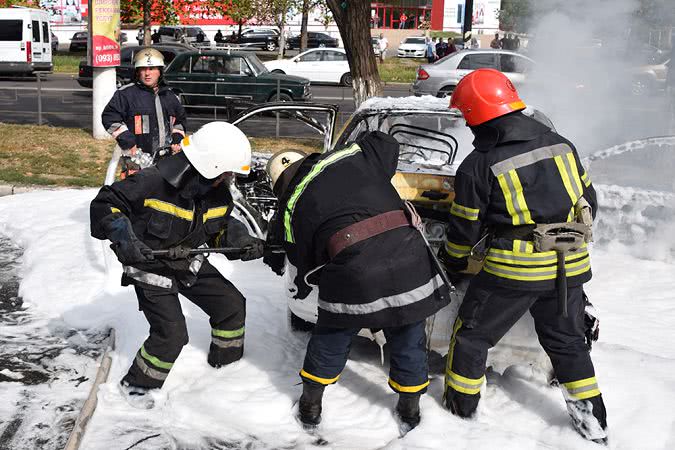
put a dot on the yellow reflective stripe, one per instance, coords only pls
(214, 213)
(582, 389)
(586, 179)
(536, 273)
(299, 189)
(520, 198)
(324, 381)
(159, 205)
(464, 212)
(580, 383)
(566, 178)
(499, 251)
(522, 246)
(570, 215)
(227, 333)
(507, 198)
(575, 173)
(462, 384)
(400, 388)
(533, 259)
(154, 360)
(456, 250)
(115, 210)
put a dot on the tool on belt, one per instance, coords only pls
(564, 238)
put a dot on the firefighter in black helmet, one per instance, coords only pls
(521, 182)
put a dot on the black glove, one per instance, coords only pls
(179, 253)
(252, 250)
(125, 244)
(303, 288)
(276, 260)
(176, 138)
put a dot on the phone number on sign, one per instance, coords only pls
(109, 58)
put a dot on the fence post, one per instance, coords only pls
(39, 97)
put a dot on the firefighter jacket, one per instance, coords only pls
(136, 115)
(168, 205)
(384, 281)
(520, 173)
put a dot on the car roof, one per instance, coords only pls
(491, 50)
(219, 52)
(406, 104)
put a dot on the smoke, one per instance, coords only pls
(586, 57)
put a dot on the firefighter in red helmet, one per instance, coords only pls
(525, 188)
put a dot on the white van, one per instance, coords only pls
(24, 41)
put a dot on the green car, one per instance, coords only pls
(227, 78)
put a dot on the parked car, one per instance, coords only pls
(313, 40)
(55, 42)
(440, 78)
(222, 78)
(318, 65)
(649, 76)
(263, 38)
(412, 47)
(24, 41)
(125, 71)
(79, 41)
(182, 34)
(376, 45)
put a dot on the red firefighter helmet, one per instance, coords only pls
(485, 94)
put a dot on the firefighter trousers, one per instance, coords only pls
(328, 350)
(217, 297)
(486, 315)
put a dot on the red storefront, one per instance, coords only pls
(407, 14)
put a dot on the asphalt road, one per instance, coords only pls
(65, 103)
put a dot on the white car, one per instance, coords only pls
(319, 65)
(412, 47)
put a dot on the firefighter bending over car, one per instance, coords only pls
(145, 117)
(345, 228)
(181, 203)
(525, 186)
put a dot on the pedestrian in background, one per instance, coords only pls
(496, 42)
(384, 44)
(430, 52)
(402, 19)
(441, 48)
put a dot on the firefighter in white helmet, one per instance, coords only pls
(180, 203)
(145, 115)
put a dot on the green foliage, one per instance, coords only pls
(515, 15)
(444, 34)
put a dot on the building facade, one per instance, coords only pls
(439, 15)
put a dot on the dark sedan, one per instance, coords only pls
(222, 78)
(79, 41)
(125, 71)
(313, 40)
(267, 39)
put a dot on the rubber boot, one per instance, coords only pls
(408, 409)
(589, 418)
(137, 396)
(461, 405)
(310, 404)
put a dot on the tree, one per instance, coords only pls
(325, 16)
(352, 19)
(240, 11)
(515, 15)
(307, 6)
(277, 12)
(145, 12)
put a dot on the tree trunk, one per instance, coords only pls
(241, 25)
(303, 25)
(353, 23)
(147, 22)
(282, 39)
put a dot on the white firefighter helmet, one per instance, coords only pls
(148, 57)
(216, 148)
(281, 161)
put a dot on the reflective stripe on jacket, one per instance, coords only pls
(520, 173)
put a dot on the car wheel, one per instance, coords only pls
(322, 45)
(287, 46)
(270, 46)
(346, 80)
(119, 82)
(279, 71)
(445, 92)
(297, 324)
(281, 97)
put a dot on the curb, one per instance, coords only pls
(11, 189)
